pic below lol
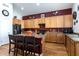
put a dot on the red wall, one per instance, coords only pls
(48, 14)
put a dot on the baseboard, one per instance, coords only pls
(4, 43)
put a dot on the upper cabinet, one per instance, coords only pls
(22, 23)
(41, 20)
(68, 21)
(27, 24)
(53, 22)
(31, 23)
(16, 21)
(60, 21)
(47, 22)
(36, 23)
(50, 22)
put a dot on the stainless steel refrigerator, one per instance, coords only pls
(16, 29)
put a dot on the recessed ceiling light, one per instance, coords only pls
(22, 8)
(37, 4)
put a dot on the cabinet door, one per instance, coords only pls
(42, 20)
(36, 23)
(19, 21)
(60, 21)
(77, 48)
(68, 46)
(53, 22)
(15, 21)
(31, 23)
(27, 23)
(67, 43)
(53, 37)
(39, 21)
(72, 48)
(22, 23)
(68, 21)
(60, 38)
(47, 22)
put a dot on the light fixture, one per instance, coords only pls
(22, 8)
(37, 4)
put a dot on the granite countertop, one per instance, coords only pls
(74, 37)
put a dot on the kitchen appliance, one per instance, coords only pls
(16, 29)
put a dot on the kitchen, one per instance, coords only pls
(40, 18)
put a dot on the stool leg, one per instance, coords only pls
(23, 52)
(26, 52)
(14, 50)
(9, 48)
(34, 53)
(31, 53)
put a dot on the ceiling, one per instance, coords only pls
(33, 8)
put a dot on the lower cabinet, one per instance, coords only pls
(68, 46)
(72, 47)
(60, 38)
(77, 48)
(54, 35)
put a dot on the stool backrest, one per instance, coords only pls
(12, 39)
(29, 40)
(20, 39)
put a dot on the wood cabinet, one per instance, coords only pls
(77, 48)
(27, 24)
(41, 20)
(31, 23)
(60, 38)
(72, 46)
(22, 23)
(63, 21)
(19, 21)
(67, 44)
(60, 21)
(48, 22)
(16, 21)
(68, 47)
(53, 22)
(68, 21)
(53, 36)
(56, 37)
(36, 23)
